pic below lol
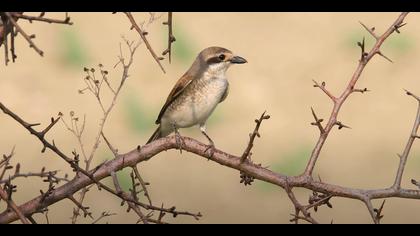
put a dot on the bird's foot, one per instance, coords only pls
(211, 149)
(179, 141)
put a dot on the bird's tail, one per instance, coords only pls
(160, 132)
(156, 135)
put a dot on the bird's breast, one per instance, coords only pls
(197, 102)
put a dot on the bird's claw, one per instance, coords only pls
(179, 141)
(211, 149)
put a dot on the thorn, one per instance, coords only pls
(413, 181)
(411, 94)
(341, 125)
(382, 55)
(371, 30)
(165, 52)
(361, 90)
(396, 27)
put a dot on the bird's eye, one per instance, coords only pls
(222, 57)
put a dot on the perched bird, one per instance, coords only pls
(196, 94)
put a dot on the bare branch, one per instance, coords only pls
(411, 139)
(254, 134)
(102, 216)
(9, 28)
(22, 32)
(12, 205)
(298, 207)
(322, 87)
(146, 42)
(317, 122)
(370, 30)
(66, 21)
(171, 37)
(143, 184)
(338, 103)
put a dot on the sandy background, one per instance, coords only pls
(285, 52)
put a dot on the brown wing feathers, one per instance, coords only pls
(175, 92)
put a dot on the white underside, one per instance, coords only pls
(195, 110)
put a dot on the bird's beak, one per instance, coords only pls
(238, 60)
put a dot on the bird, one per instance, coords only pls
(196, 94)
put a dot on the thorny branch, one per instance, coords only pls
(252, 136)
(13, 206)
(132, 200)
(171, 37)
(143, 37)
(322, 192)
(9, 28)
(94, 86)
(7, 195)
(339, 101)
(102, 216)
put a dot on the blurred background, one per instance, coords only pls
(285, 51)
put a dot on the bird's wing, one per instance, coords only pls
(225, 94)
(177, 90)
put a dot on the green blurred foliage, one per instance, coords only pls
(215, 117)
(139, 119)
(72, 51)
(123, 176)
(396, 43)
(124, 179)
(401, 43)
(183, 49)
(291, 164)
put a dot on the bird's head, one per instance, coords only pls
(216, 60)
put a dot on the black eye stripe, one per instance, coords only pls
(213, 60)
(216, 59)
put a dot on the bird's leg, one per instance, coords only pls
(211, 143)
(178, 138)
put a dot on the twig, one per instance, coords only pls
(131, 205)
(411, 139)
(379, 211)
(106, 111)
(370, 30)
(5, 162)
(322, 87)
(66, 21)
(103, 215)
(298, 207)
(12, 205)
(171, 37)
(6, 48)
(143, 184)
(22, 32)
(146, 42)
(317, 122)
(41, 175)
(254, 134)
(113, 150)
(80, 206)
(365, 58)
